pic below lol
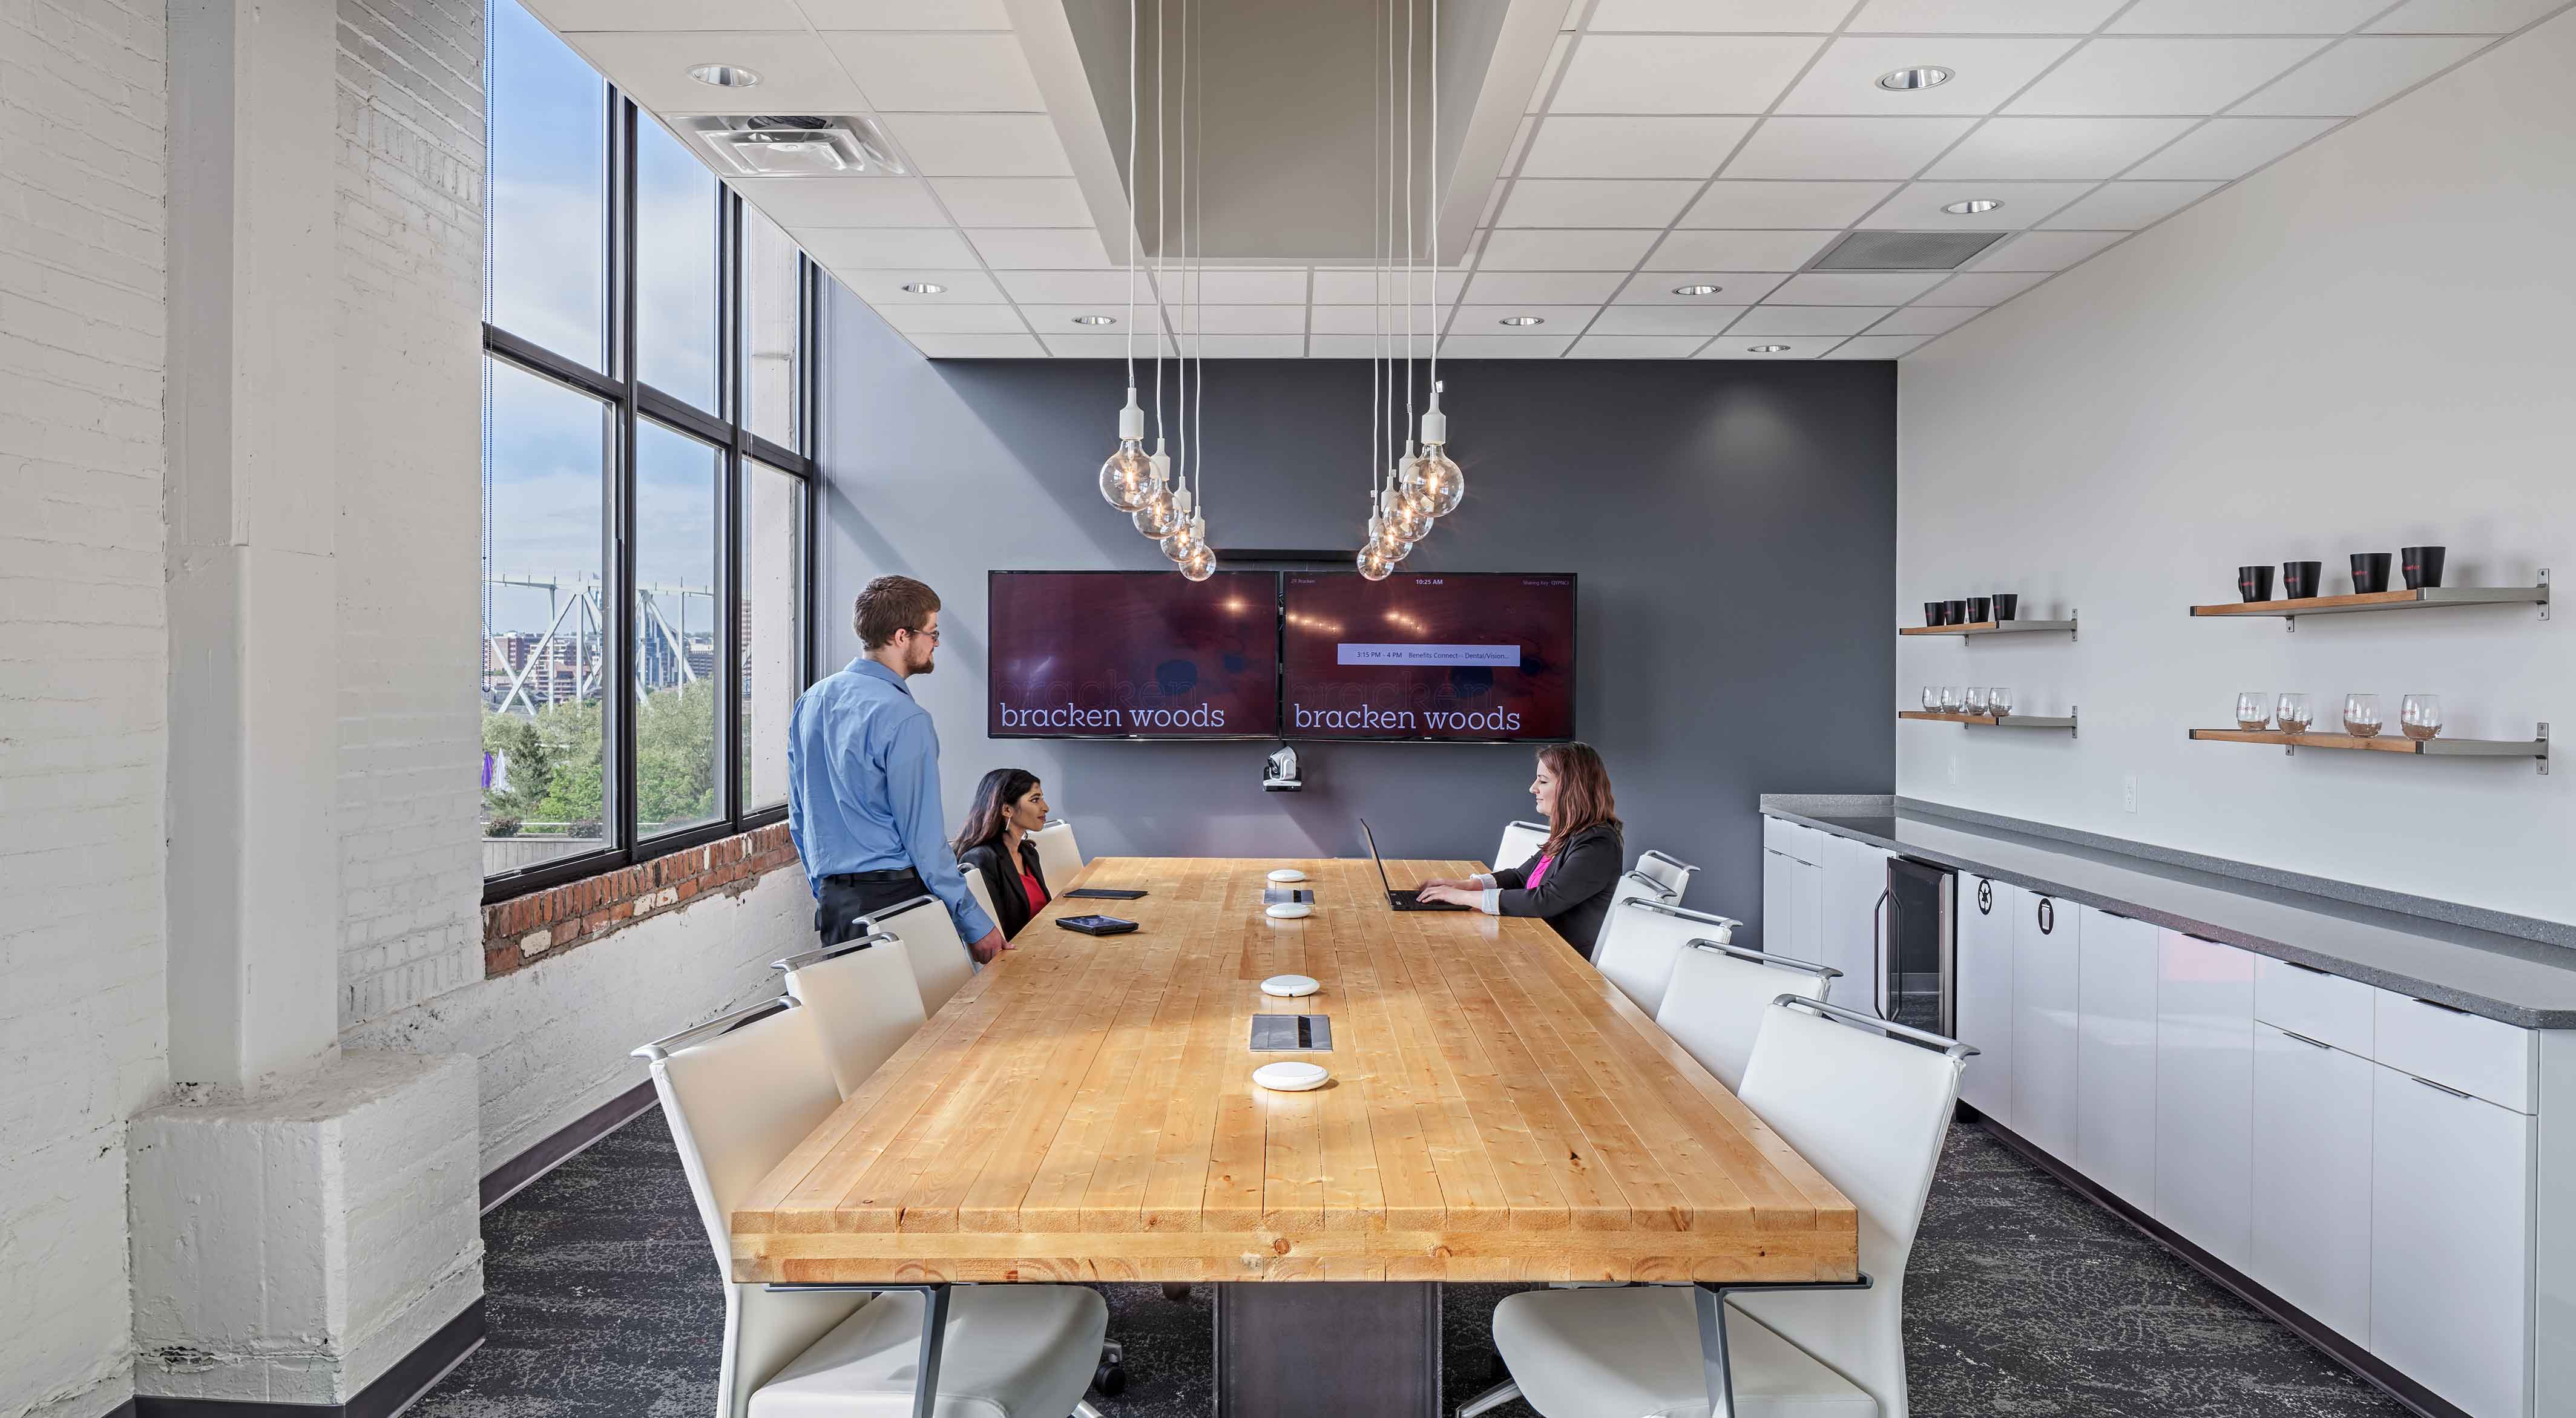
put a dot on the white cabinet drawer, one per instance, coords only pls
(2484, 1058)
(1790, 840)
(2327, 1008)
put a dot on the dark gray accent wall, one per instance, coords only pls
(1733, 525)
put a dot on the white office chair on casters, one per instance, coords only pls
(1521, 841)
(1867, 1103)
(1643, 936)
(740, 1093)
(1673, 872)
(862, 999)
(983, 894)
(940, 964)
(1058, 857)
(1717, 997)
(1632, 886)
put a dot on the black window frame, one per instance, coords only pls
(630, 399)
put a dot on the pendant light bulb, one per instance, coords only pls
(1443, 485)
(1408, 519)
(1200, 564)
(1188, 529)
(1157, 514)
(1374, 564)
(1126, 473)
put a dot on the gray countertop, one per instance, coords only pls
(2525, 982)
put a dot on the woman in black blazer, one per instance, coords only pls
(1569, 882)
(1009, 805)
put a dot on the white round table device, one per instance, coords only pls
(1289, 986)
(1287, 874)
(1290, 1076)
(1288, 911)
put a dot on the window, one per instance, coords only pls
(649, 357)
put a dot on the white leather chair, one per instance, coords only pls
(1867, 1103)
(1642, 937)
(740, 1093)
(983, 894)
(1521, 841)
(1671, 871)
(863, 1000)
(1631, 886)
(940, 964)
(1058, 857)
(1714, 1004)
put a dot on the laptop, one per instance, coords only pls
(1407, 900)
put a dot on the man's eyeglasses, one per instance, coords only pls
(931, 635)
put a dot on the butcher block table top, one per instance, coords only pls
(1084, 1110)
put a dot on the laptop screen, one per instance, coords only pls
(1371, 838)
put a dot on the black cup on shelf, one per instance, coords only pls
(2007, 606)
(2369, 572)
(1957, 611)
(2254, 582)
(1936, 613)
(2301, 579)
(2422, 566)
(1980, 609)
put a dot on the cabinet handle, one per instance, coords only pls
(2439, 1087)
(2311, 969)
(2318, 1043)
(2445, 1008)
(2047, 916)
(1877, 966)
(1985, 898)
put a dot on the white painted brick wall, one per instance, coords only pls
(410, 209)
(83, 658)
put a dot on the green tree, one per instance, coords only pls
(556, 761)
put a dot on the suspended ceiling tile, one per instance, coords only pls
(1720, 16)
(1083, 344)
(566, 16)
(1555, 65)
(1806, 320)
(2161, 76)
(1488, 320)
(1785, 204)
(1736, 345)
(1049, 319)
(1617, 73)
(1542, 287)
(1825, 149)
(1595, 202)
(2361, 74)
(1740, 250)
(2464, 16)
(907, 14)
(800, 202)
(885, 248)
(1330, 346)
(1221, 285)
(1987, 72)
(2039, 148)
(1503, 347)
(653, 69)
(1984, 287)
(1533, 249)
(1248, 347)
(1077, 287)
(1239, 319)
(1370, 320)
(955, 319)
(938, 73)
(1875, 346)
(2044, 250)
(1919, 206)
(1521, 135)
(1733, 287)
(2244, 16)
(961, 287)
(1636, 346)
(1881, 288)
(1632, 145)
(978, 346)
(2229, 148)
(1344, 285)
(1699, 321)
(2118, 205)
(1982, 16)
(1926, 320)
(980, 144)
(1040, 248)
(1013, 201)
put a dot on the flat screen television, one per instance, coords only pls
(1133, 655)
(1484, 657)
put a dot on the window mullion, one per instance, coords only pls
(620, 694)
(729, 726)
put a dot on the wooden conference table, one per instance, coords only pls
(1083, 1110)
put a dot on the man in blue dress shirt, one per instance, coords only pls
(863, 778)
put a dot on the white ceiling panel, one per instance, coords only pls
(955, 319)
(1547, 73)
(2464, 16)
(1335, 285)
(1733, 287)
(1543, 287)
(1488, 320)
(1611, 202)
(1918, 207)
(938, 73)
(1732, 346)
(1825, 149)
(1786, 320)
(1370, 320)
(1083, 344)
(1076, 287)
(570, 15)
(1220, 285)
(2228, 148)
(653, 68)
(795, 202)
(978, 346)
(1785, 204)
(1720, 16)
(1052, 319)
(2243, 16)
(1504, 346)
(1013, 201)
(1982, 16)
(2118, 205)
(1698, 321)
(1329, 346)
(2044, 250)
(1040, 248)
(1636, 346)
(2161, 76)
(1239, 319)
(1248, 347)
(1577, 145)
(886, 248)
(1984, 287)
(957, 287)
(1926, 320)
(1534, 249)
(1617, 73)
(980, 144)
(2041, 148)
(2361, 74)
(1988, 70)
(1740, 250)
(907, 14)
(1855, 287)
(1875, 346)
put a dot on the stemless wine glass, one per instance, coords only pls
(2253, 709)
(2421, 716)
(2292, 713)
(1931, 699)
(1999, 702)
(2361, 715)
(1950, 699)
(1976, 699)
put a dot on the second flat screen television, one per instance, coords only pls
(1464, 658)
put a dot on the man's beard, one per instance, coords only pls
(921, 667)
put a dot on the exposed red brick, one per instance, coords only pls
(579, 912)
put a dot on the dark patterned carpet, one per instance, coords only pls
(2023, 1299)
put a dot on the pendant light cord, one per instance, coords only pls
(1159, 213)
(1434, 185)
(1408, 224)
(1135, 45)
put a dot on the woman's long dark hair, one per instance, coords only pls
(993, 798)
(1583, 798)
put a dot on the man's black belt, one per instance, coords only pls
(875, 878)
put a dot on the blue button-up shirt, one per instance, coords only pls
(863, 788)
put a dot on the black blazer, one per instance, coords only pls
(1575, 895)
(1010, 903)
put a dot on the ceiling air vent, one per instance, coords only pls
(796, 145)
(1905, 250)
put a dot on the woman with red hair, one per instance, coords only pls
(1569, 882)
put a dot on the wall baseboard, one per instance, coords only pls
(559, 1146)
(393, 1391)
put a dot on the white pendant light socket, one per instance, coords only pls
(1131, 419)
(1435, 424)
(1162, 462)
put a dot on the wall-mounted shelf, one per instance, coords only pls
(2425, 599)
(2534, 748)
(1993, 627)
(1993, 721)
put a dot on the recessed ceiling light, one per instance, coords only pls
(1697, 290)
(1520, 320)
(924, 288)
(1095, 320)
(1972, 206)
(1766, 349)
(1920, 76)
(725, 76)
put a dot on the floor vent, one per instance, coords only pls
(1905, 250)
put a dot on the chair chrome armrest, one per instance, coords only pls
(870, 919)
(1680, 913)
(1668, 858)
(1866, 1020)
(663, 1047)
(1662, 892)
(831, 952)
(1764, 957)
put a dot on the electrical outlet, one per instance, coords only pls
(2129, 793)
